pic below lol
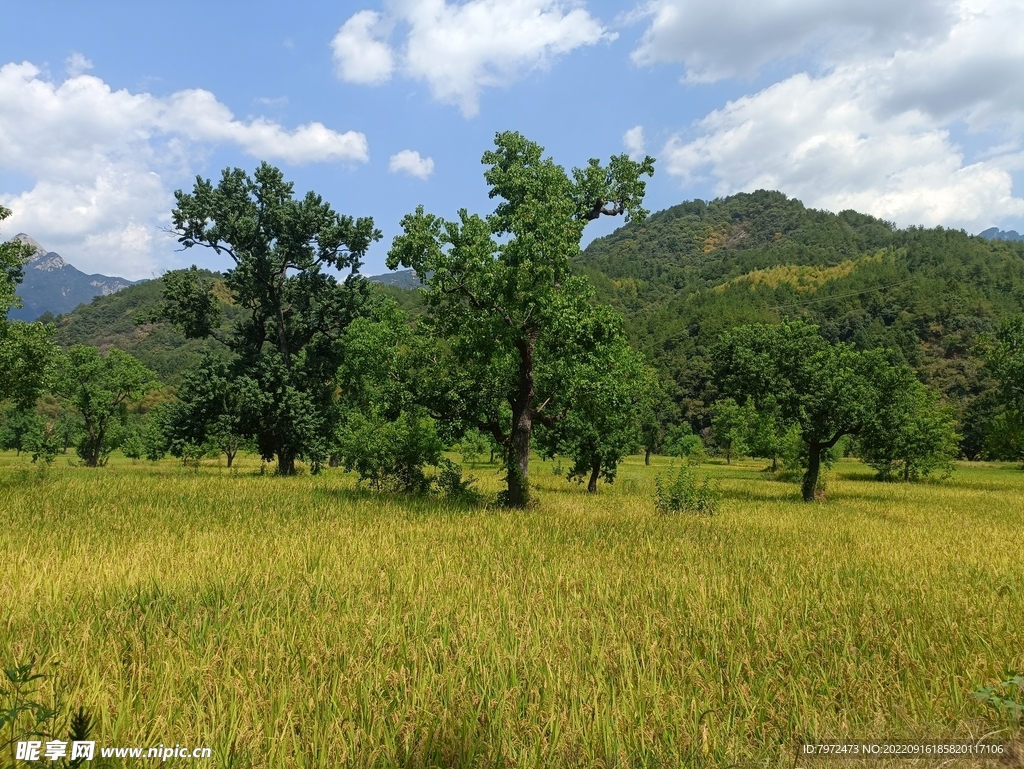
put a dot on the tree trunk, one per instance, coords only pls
(517, 461)
(775, 464)
(285, 463)
(595, 473)
(813, 469)
(647, 456)
(231, 456)
(517, 458)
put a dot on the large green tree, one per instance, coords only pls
(500, 290)
(100, 388)
(826, 390)
(284, 249)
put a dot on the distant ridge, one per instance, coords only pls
(400, 279)
(994, 233)
(53, 285)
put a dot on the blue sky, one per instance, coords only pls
(911, 111)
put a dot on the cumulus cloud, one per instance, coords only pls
(360, 54)
(875, 133)
(103, 161)
(410, 162)
(633, 141)
(735, 38)
(459, 50)
(76, 64)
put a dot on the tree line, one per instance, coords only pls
(513, 352)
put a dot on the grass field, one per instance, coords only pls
(302, 622)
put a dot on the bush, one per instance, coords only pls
(390, 454)
(679, 492)
(451, 484)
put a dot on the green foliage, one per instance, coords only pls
(730, 427)
(682, 442)
(909, 435)
(26, 349)
(472, 446)
(500, 294)
(451, 483)
(698, 269)
(1002, 699)
(390, 453)
(602, 394)
(189, 303)
(16, 426)
(212, 409)
(827, 390)
(133, 320)
(286, 344)
(678, 492)
(100, 388)
(24, 717)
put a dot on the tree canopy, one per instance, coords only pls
(500, 290)
(295, 310)
(827, 390)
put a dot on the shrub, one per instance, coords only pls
(451, 484)
(678, 492)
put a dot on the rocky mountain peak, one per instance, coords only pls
(41, 259)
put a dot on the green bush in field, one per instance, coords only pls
(680, 493)
(390, 454)
(998, 697)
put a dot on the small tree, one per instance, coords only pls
(16, 428)
(500, 291)
(730, 427)
(909, 435)
(765, 430)
(826, 390)
(602, 398)
(100, 388)
(681, 441)
(212, 408)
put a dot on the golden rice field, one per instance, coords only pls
(301, 622)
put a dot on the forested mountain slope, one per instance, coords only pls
(122, 320)
(694, 270)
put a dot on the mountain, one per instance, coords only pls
(122, 320)
(52, 285)
(994, 233)
(399, 279)
(930, 296)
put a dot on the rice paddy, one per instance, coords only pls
(303, 622)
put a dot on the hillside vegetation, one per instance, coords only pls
(932, 296)
(125, 320)
(697, 269)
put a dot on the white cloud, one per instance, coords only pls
(633, 141)
(76, 64)
(410, 162)
(735, 38)
(359, 53)
(875, 133)
(460, 49)
(103, 162)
